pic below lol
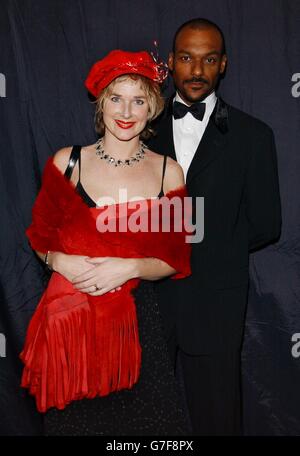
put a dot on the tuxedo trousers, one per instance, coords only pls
(212, 389)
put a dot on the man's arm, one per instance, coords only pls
(263, 206)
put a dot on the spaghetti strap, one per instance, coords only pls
(74, 156)
(161, 193)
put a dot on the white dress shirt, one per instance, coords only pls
(188, 132)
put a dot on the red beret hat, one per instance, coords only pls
(120, 62)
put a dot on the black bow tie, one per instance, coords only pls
(196, 109)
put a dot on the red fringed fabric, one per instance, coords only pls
(81, 346)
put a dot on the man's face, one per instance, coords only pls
(197, 63)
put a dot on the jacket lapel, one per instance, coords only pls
(211, 144)
(213, 140)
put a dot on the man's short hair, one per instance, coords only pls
(200, 24)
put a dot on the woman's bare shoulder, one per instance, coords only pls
(156, 157)
(174, 176)
(61, 158)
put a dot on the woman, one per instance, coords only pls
(96, 333)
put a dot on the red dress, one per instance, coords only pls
(79, 346)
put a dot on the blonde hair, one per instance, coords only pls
(152, 92)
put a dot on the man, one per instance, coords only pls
(228, 158)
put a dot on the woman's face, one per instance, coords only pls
(125, 110)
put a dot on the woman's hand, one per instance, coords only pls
(69, 266)
(107, 274)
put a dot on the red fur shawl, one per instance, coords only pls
(77, 345)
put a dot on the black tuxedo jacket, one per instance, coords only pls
(235, 170)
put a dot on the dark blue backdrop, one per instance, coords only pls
(46, 50)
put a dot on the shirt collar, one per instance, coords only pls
(210, 100)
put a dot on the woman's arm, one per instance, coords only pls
(53, 259)
(151, 268)
(69, 266)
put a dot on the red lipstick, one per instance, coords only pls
(124, 125)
